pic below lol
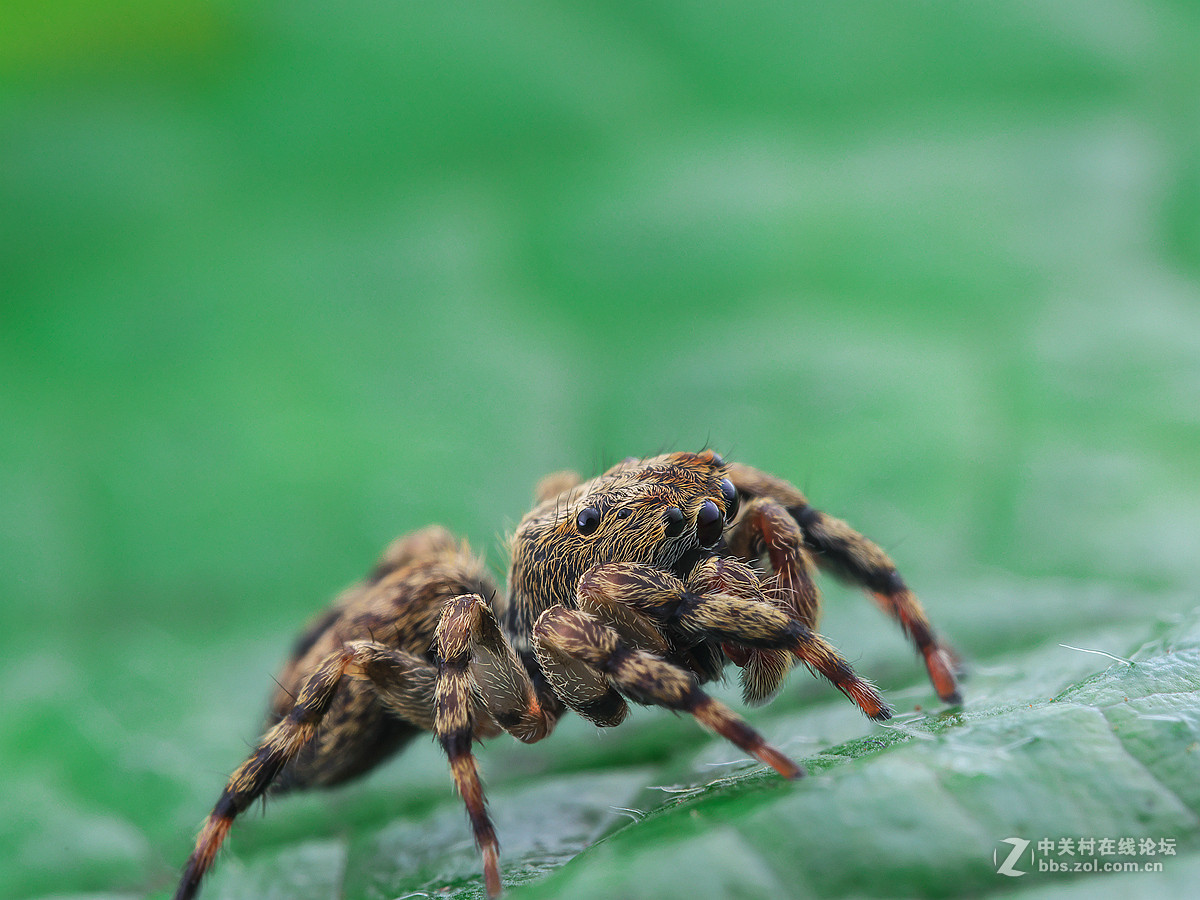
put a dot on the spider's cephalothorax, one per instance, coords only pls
(641, 584)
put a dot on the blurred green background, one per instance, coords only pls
(279, 281)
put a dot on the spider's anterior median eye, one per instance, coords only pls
(730, 495)
(589, 520)
(708, 524)
(674, 517)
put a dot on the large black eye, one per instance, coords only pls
(708, 524)
(674, 517)
(730, 494)
(589, 520)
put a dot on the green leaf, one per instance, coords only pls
(1114, 755)
(919, 807)
(279, 282)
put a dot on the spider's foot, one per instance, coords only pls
(769, 756)
(819, 656)
(868, 699)
(942, 667)
(718, 718)
(491, 870)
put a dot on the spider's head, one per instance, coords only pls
(654, 511)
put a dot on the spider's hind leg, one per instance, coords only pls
(359, 684)
(251, 780)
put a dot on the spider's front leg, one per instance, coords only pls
(736, 620)
(564, 635)
(849, 555)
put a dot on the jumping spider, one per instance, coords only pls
(641, 584)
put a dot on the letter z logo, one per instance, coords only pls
(1019, 846)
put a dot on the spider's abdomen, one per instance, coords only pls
(398, 606)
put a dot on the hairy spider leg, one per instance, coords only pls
(764, 525)
(647, 679)
(721, 617)
(762, 671)
(581, 686)
(848, 554)
(471, 650)
(767, 526)
(853, 557)
(254, 776)
(404, 682)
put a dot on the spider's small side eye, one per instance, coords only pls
(588, 521)
(674, 517)
(624, 512)
(730, 495)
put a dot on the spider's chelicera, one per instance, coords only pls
(641, 584)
